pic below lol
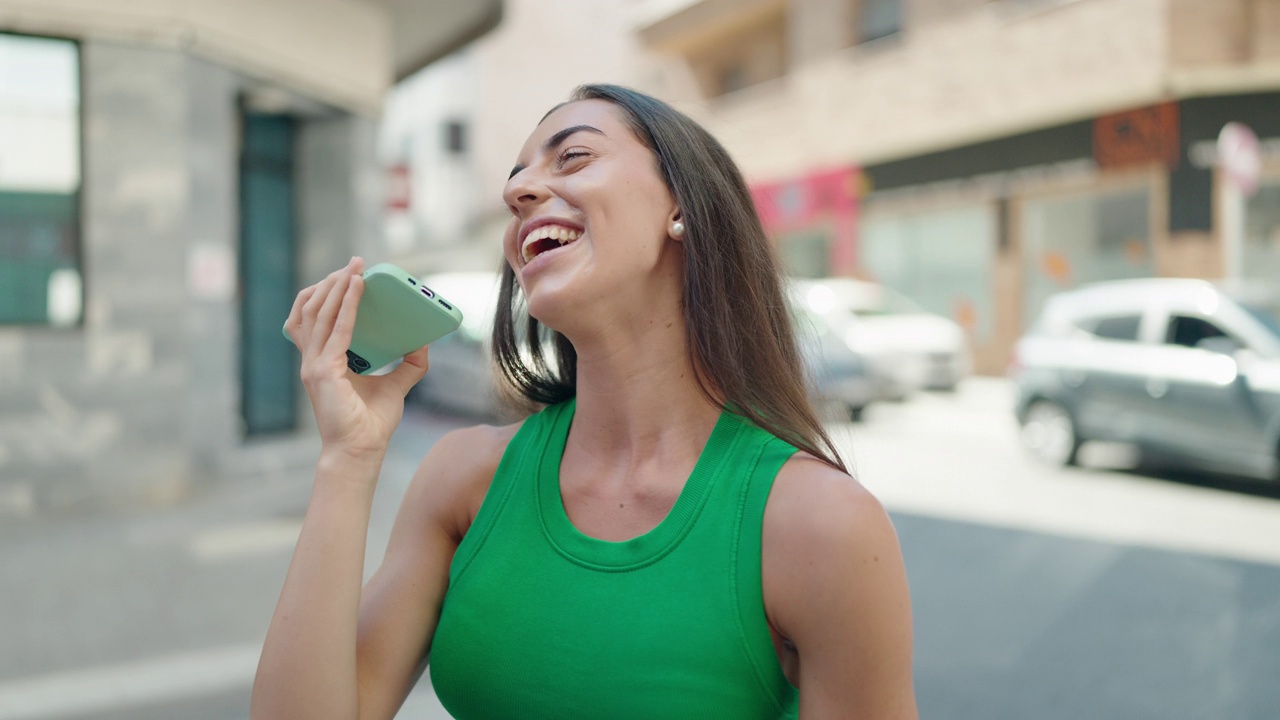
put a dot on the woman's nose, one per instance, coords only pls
(524, 190)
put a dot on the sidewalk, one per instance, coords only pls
(113, 612)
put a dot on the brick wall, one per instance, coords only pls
(940, 84)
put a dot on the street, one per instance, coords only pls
(1037, 593)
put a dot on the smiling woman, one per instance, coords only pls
(669, 534)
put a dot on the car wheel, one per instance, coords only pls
(1049, 433)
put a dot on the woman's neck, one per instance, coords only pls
(637, 393)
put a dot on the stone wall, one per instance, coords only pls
(141, 403)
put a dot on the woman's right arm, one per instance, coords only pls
(335, 649)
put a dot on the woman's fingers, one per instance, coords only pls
(311, 308)
(345, 322)
(411, 370)
(293, 324)
(327, 313)
(311, 304)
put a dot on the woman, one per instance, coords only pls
(673, 536)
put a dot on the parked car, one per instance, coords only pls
(462, 379)
(907, 346)
(461, 375)
(1185, 370)
(839, 379)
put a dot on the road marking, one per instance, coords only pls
(238, 541)
(114, 687)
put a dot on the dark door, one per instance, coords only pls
(268, 362)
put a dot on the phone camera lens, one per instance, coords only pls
(356, 363)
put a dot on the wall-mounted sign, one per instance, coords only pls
(1138, 137)
(828, 197)
(793, 204)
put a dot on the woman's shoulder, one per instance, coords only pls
(818, 506)
(835, 585)
(453, 477)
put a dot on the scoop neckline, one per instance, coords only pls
(643, 549)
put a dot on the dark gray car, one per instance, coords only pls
(1185, 370)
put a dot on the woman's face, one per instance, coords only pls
(590, 214)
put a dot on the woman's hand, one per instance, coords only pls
(356, 414)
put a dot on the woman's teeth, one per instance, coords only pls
(540, 239)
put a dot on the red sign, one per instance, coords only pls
(1138, 137)
(399, 187)
(794, 204)
(827, 196)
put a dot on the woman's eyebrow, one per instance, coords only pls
(555, 140)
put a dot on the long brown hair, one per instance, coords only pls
(739, 330)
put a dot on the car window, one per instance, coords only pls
(1188, 331)
(1120, 327)
(1268, 316)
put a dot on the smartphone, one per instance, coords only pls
(397, 315)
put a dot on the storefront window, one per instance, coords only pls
(806, 254)
(1262, 232)
(941, 259)
(39, 181)
(1089, 237)
(878, 19)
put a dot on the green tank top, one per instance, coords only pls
(542, 621)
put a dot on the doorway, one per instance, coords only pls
(268, 272)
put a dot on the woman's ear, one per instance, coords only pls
(675, 226)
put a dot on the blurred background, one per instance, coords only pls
(1034, 252)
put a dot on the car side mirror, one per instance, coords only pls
(1221, 344)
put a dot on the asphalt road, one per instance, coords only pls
(1038, 593)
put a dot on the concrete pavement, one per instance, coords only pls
(1037, 592)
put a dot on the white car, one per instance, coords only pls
(461, 378)
(902, 341)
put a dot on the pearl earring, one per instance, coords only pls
(677, 229)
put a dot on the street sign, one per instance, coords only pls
(1240, 157)
(1240, 161)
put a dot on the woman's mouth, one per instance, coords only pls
(547, 237)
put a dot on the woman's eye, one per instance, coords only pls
(568, 155)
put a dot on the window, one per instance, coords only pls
(806, 254)
(1189, 331)
(1122, 327)
(878, 19)
(1087, 237)
(455, 137)
(940, 258)
(752, 55)
(1268, 316)
(39, 181)
(734, 77)
(1261, 252)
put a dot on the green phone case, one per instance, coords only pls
(397, 315)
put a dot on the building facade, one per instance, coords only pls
(171, 173)
(1002, 149)
(455, 128)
